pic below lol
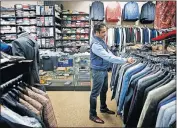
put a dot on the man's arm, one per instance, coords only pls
(101, 52)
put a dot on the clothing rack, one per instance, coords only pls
(12, 70)
(167, 29)
(126, 26)
(165, 61)
(10, 83)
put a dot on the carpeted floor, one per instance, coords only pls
(72, 109)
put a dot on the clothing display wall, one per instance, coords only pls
(142, 91)
(124, 35)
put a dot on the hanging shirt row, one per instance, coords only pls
(122, 35)
(144, 94)
(163, 12)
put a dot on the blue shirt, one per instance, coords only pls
(97, 11)
(131, 11)
(147, 12)
(107, 55)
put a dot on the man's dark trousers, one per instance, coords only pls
(99, 86)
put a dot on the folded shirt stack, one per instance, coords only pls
(25, 6)
(32, 21)
(9, 21)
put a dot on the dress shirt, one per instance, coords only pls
(124, 42)
(113, 12)
(131, 11)
(101, 52)
(121, 38)
(110, 37)
(141, 34)
(97, 11)
(147, 12)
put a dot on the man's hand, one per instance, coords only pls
(130, 60)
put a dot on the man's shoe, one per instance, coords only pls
(96, 119)
(107, 111)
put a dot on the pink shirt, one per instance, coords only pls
(113, 12)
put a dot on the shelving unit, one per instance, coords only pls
(47, 39)
(11, 31)
(22, 17)
(74, 33)
(68, 18)
(75, 27)
(73, 40)
(76, 20)
(79, 14)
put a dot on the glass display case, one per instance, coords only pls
(81, 72)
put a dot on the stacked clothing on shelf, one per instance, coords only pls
(8, 21)
(46, 43)
(141, 90)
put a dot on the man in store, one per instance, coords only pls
(101, 56)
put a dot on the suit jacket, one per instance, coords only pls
(28, 48)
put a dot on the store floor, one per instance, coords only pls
(72, 109)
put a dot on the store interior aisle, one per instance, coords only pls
(72, 109)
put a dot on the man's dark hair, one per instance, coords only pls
(97, 27)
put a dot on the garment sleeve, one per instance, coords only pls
(101, 52)
(17, 50)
